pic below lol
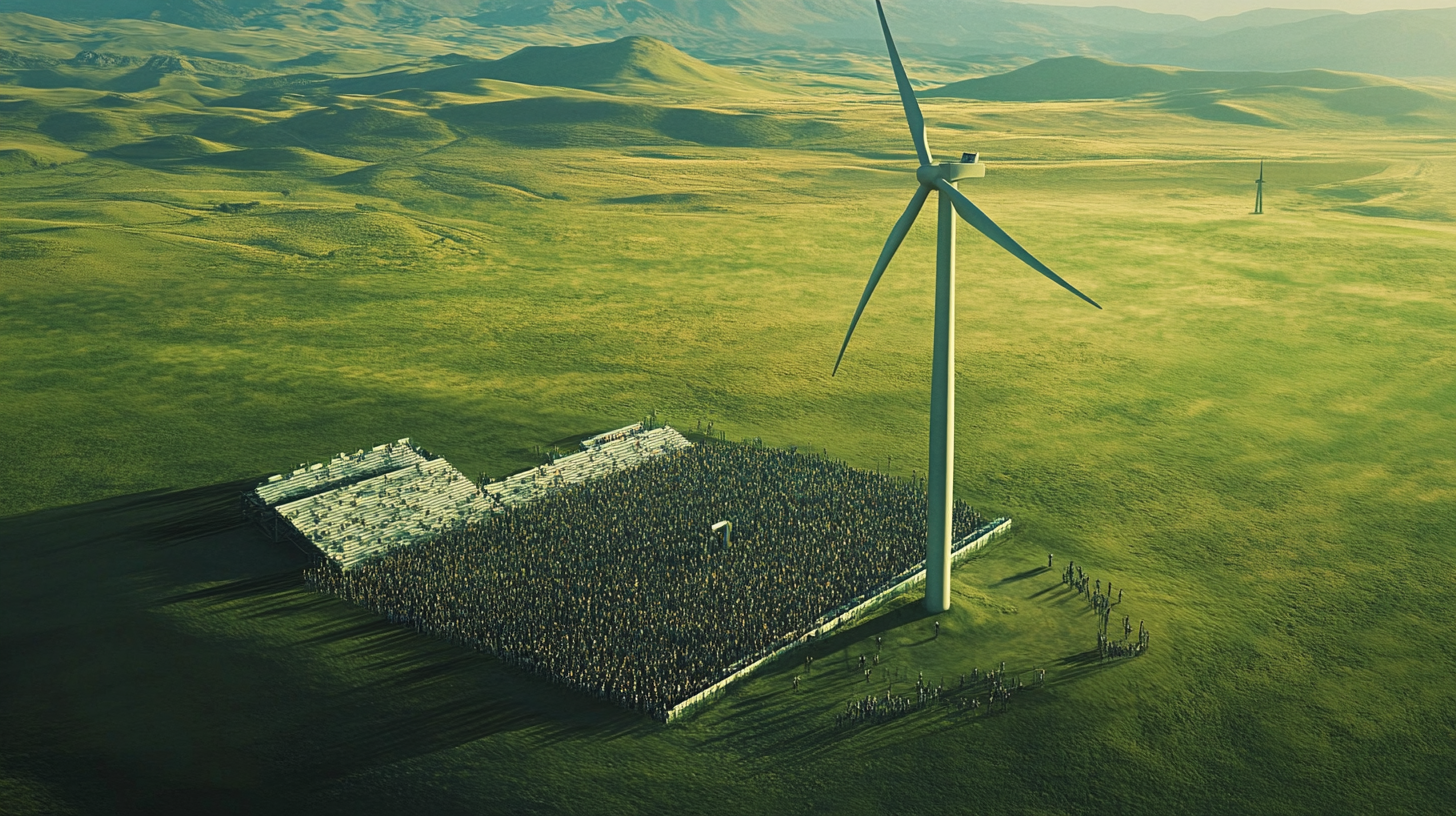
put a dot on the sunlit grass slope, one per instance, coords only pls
(1253, 440)
(631, 63)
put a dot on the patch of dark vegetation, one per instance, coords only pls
(15, 59)
(365, 133)
(233, 209)
(24, 249)
(87, 129)
(21, 161)
(1379, 211)
(101, 59)
(688, 200)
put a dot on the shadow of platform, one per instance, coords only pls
(166, 651)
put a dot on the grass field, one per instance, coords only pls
(1254, 440)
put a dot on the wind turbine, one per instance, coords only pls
(941, 178)
(1258, 189)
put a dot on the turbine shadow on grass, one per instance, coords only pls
(905, 612)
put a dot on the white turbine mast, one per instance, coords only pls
(941, 178)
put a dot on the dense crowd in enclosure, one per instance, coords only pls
(620, 587)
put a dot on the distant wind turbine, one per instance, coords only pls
(941, 178)
(1259, 191)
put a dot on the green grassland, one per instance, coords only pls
(215, 276)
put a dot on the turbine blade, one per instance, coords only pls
(907, 94)
(897, 236)
(982, 222)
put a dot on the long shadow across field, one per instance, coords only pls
(170, 656)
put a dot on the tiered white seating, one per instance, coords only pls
(611, 436)
(343, 468)
(603, 454)
(360, 505)
(371, 517)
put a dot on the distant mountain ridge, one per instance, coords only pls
(1394, 43)
(1271, 99)
(1258, 18)
(1065, 78)
(632, 66)
(629, 66)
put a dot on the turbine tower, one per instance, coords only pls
(942, 179)
(1259, 191)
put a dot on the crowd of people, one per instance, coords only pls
(620, 587)
(995, 685)
(993, 688)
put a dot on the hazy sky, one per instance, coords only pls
(1204, 9)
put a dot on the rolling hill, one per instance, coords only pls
(569, 122)
(1247, 97)
(630, 65)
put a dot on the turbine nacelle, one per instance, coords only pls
(949, 171)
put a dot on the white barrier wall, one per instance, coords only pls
(849, 613)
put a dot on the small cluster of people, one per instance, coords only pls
(1108, 648)
(999, 688)
(620, 588)
(1102, 604)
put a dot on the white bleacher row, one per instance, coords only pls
(376, 515)
(611, 436)
(342, 468)
(631, 449)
